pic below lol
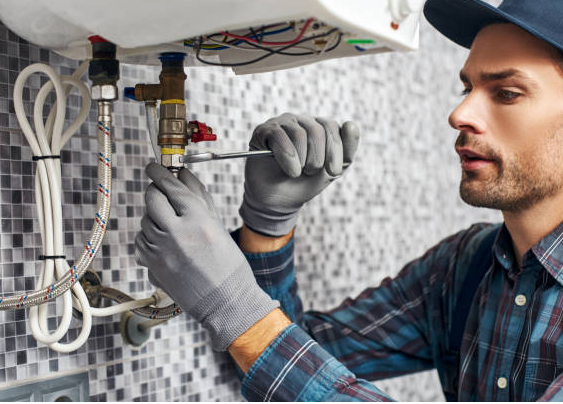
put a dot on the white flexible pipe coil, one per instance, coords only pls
(47, 140)
(57, 278)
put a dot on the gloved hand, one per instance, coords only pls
(193, 258)
(309, 153)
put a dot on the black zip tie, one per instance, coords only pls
(35, 158)
(50, 257)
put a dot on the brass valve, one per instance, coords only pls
(172, 123)
(174, 133)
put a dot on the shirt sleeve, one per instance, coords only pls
(394, 329)
(296, 368)
(275, 274)
(383, 332)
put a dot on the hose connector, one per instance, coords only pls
(103, 70)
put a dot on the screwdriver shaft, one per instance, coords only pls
(208, 156)
(236, 155)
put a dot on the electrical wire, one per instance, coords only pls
(224, 44)
(272, 51)
(263, 33)
(254, 47)
(208, 47)
(309, 51)
(275, 25)
(293, 41)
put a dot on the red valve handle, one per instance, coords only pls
(96, 38)
(202, 134)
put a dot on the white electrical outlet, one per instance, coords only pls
(72, 387)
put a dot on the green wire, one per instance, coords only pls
(360, 41)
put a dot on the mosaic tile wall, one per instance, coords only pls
(397, 200)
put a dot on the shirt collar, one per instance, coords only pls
(548, 252)
(503, 248)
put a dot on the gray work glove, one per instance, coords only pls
(193, 258)
(309, 153)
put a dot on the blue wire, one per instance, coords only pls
(250, 36)
(277, 32)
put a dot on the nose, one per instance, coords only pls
(469, 115)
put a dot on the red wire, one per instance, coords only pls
(297, 39)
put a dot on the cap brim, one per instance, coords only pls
(461, 20)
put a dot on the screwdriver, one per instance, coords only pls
(209, 156)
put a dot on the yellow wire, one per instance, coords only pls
(205, 46)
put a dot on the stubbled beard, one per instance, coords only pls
(511, 184)
(512, 190)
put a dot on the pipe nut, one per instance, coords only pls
(104, 92)
(173, 111)
(172, 160)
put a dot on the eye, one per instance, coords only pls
(506, 95)
(465, 91)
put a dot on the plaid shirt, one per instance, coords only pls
(512, 348)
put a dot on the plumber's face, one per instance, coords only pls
(510, 121)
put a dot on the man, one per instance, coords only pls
(498, 286)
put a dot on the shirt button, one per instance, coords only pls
(502, 382)
(520, 300)
(504, 256)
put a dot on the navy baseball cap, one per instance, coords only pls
(461, 20)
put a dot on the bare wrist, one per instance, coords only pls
(252, 242)
(250, 345)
